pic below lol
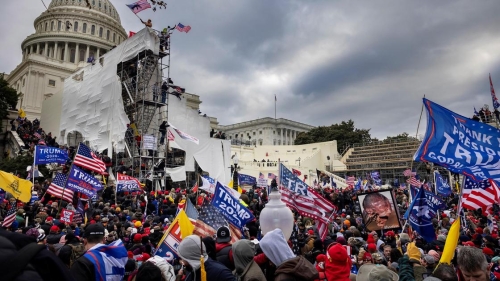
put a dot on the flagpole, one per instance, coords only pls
(275, 101)
(33, 171)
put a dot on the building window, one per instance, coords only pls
(100, 31)
(52, 83)
(92, 30)
(260, 132)
(72, 55)
(254, 133)
(46, 26)
(24, 82)
(107, 35)
(93, 2)
(52, 26)
(62, 53)
(82, 55)
(100, 4)
(76, 26)
(59, 25)
(114, 37)
(84, 28)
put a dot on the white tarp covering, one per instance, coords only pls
(92, 103)
(212, 155)
(177, 174)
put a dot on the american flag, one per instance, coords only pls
(408, 173)
(496, 104)
(350, 180)
(271, 176)
(56, 188)
(414, 181)
(179, 89)
(479, 194)
(85, 158)
(139, 6)
(296, 172)
(183, 28)
(209, 220)
(191, 212)
(170, 136)
(261, 175)
(37, 135)
(11, 216)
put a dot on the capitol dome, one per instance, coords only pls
(66, 35)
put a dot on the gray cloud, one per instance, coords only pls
(327, 61)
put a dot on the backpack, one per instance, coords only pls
(76, 252)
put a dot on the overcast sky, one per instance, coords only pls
(326, 61)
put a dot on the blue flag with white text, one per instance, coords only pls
(421, 215)
(442, 186)
(47, 155)
(460, 144)
(230, 207)
(82, 182)
(246, 179)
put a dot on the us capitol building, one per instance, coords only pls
(65, 37)
(69, 33)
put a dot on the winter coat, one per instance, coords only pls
(296, 269)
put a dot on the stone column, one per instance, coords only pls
(77, 53)
(31, 49)
(281, 136)
(97, 54)
(37, 48)
(55, 51)
(66, 51)
(87, 54)
(46, 50)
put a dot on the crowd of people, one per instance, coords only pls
(127, 227)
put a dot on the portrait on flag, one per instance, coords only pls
(379, 210)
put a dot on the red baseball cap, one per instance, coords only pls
(468, 243)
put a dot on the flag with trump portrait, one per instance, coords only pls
(460, 144)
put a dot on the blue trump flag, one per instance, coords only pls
(82, 182)
(290, 181)
(376, 178)
(47, 155)
(442, 186)
(246, 179)
(420, 216)
(460, 144)
(230, 207)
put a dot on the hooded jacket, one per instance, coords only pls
(190, 250)
(245, 267)
(288, 267)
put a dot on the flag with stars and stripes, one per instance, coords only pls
(11, 216)
(479, 194)
(56, 188)
(191, 211)
(86, 159)
(209, 220)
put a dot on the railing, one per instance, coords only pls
(384, 142)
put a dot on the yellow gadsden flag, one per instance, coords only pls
(184, 224)
(451, 242)
(21, 113)
(19, 188)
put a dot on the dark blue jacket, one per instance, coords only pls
(216, 271)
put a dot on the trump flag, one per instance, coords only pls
(460, 144)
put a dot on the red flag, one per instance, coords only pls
(195, 188)
(296, 172)
(131, 33)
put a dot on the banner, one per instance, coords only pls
(291, 181)
(432, 199)
(127, 183)
(149, 142)
(167, 247)
(67, 216)
(183, 135)
(421, 215)
(208, 184)
(230, 207)
(47, 155)
(246, 179)
(460, 144)
(82, 182)
(19, 188)
(442, 186)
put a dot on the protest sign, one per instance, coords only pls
(67, 216)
